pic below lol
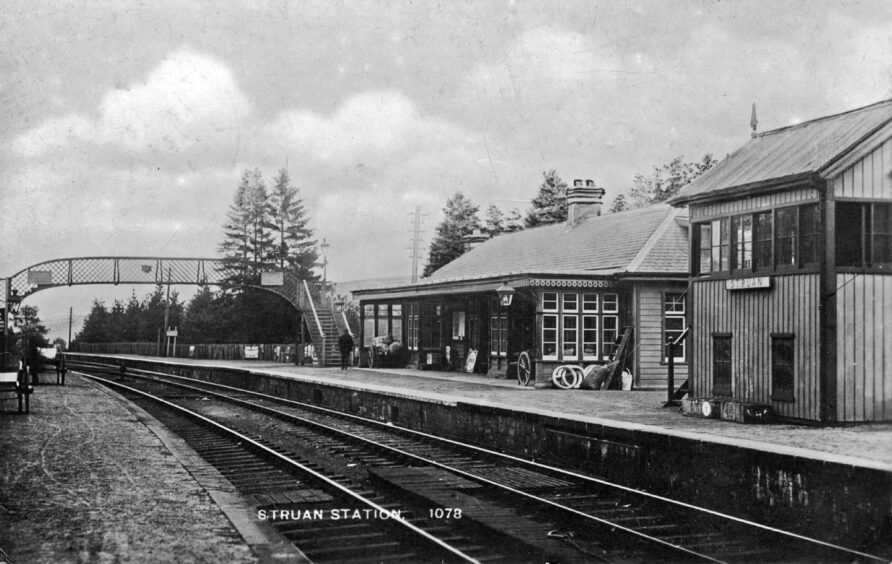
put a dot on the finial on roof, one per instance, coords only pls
(754, 122)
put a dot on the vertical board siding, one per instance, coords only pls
(790, 306)
(864, 345)
(869, 177)
(651, 371)
(756, 202)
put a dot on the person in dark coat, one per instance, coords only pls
(345, 343)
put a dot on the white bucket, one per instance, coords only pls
(627, 380)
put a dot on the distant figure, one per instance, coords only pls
(345, 343)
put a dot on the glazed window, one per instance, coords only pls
(571, 302)
(611, 303)
(762, 236)
(809, 235)
(498, 332)
(549, 301)
(864, 235)
(721, 239)
(786, 233)
(721, 364)
(590, 303)
(609, 335)
(412, 337)
(570, 336)
(782, 367)
(704, 249)
(368, 324)
(549, 337)
(674, 324)
(589, 337)
(881, 240)
(381, 327)
(742, 242)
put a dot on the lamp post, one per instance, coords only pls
(506, 294)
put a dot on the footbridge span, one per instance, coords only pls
(324, 324)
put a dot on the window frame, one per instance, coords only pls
(764, 242)
(573, 317)
(722, 390)
(681, 358)
(785, 394)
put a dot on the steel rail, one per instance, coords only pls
(283, 458)
(538, 465)
(402, 453)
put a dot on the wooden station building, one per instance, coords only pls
(575, 288)
(791, 264)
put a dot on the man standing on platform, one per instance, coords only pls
(345, 343)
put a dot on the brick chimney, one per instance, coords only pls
(584, 200)
(472, 240)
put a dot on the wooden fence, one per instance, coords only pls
(218, 351)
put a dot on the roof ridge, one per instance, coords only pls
(822, 118)
(652, 240)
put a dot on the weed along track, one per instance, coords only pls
(344, 488)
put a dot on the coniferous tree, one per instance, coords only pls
(236, 245)
(550, 204)
(294, 246)
(460, 219)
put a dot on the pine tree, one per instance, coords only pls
(550, 205)
(460, 219)
(294, 246)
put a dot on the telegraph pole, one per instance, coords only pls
(416, 242)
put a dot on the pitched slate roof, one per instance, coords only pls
(787, 154)
(642, 241)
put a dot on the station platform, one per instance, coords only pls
(88, 477)
(866, 446)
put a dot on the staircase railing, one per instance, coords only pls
(318, 323)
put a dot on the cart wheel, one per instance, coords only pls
(524, 368)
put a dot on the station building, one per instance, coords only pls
(791, 272)
(575, 288)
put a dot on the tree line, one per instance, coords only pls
(266, 228)
(461, 215)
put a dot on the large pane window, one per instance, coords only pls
(368, 324)
(498, 331)
(809, 234)
(704, 249)
(674, 324)
(742, 242)
(864, 234)
(721, 239)
(382, 329)
(721, 365)
(762, 236)
(782, 366)
(881, 240)
(850, 234)
(786, 237)
(589, 337)
(570, 336)
(430, 334)
(575, 327)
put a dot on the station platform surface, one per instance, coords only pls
(866, 445)
(88, 477)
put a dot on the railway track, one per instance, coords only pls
(562, 513)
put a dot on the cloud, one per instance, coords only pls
(190, 100)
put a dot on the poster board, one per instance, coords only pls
(472, 360)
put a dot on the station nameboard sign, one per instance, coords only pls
(40, 277)
(757, 283)
(272, 278)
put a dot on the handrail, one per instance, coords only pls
(671, 400)
(318, 323)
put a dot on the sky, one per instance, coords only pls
(126, 125)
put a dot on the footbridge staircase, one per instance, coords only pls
(323, 323)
